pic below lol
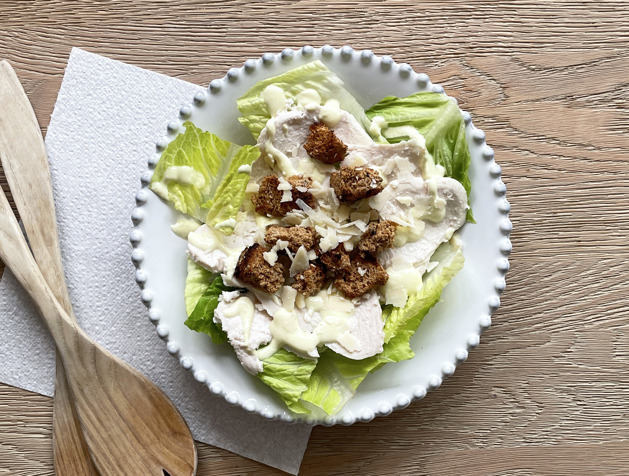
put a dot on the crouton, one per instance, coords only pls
(310, 281)
(378, 236)
(268, 200)
(299, 183)
(295, 235)
(322, 144)
(353, 183)
(253, 269)
(364, 274)
(337, 259)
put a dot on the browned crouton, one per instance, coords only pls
(364, 274)
(268, 200)
(378, 236)
(253, 269)
(353, 183)
(310, 281)
(323, 145)
(300, 191)
(337, 259)
(295, 235)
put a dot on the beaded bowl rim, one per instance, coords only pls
(383, 407)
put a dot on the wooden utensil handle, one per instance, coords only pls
(23, 154)
(25, 163)
(16, 255)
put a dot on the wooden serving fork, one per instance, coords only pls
(129, 425)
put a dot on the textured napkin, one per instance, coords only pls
(106, 120)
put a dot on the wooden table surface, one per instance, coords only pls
(547, 391)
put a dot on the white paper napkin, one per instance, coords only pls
(106, 120)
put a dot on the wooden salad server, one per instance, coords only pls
(26, 168)
(129, 425)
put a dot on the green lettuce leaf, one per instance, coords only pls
(438, 118)
(201, 319)
(315, 75)
(336, 378)
(405, 320)
(288, 375)
(198, 174)
(198, 280)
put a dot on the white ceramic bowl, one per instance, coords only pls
(448, 332)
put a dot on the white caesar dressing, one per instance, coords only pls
(244, 169)
(274, 98)
(437, 211)
(242, 307)
(404, 279)
(275, 156)
(408, 234)
(330, 113)
(430, 168)
(309, 99)
(184, 226)
(185, 175)
(377, 124)
(182, 174)
(331, 317)
(215, 250)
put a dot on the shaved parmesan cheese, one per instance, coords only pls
(377, 202)
(294, 217)
(287, 196)
(284, 184)
(405, 200)
(300, 262)
(288, 298)
(354, 160)
(330, 241)
(271, 255)
(343, 212)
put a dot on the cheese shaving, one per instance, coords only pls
(300, 262)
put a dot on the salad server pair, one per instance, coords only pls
(108, 418)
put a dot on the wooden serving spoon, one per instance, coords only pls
(129, 424)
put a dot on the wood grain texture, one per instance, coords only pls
(25, 163)
(547, 391)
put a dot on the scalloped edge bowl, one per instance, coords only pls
(450, 329)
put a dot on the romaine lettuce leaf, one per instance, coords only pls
(288, 375)
(336, 378)
(198, 174)
(315, 75)
(407, 319)
(438, 118)
(201, 319)
(198, 280)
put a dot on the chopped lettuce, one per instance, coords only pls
(333, 381)
(198, 280)
(438, 118)
(201, 319)
(198, 174)
(315, 75)
(288, 375)
(406, 320)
